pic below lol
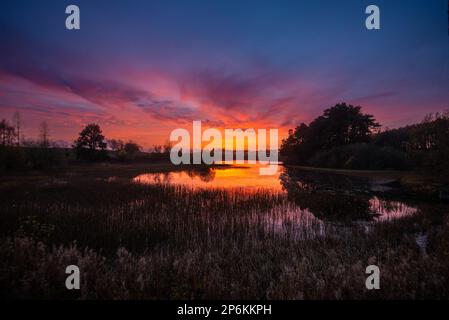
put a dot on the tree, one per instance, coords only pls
(428, 144)
(340, 125)
(17, 120)
(123, 150)
(131, 149)
(91, 137)
(167, 147)
(295, 146)
(7, 133)
(90, 144)
(156, 149)
(44, 139)
(116, 145)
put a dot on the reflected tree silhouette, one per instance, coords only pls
(328, 197)
(163, 177)
(205, 174)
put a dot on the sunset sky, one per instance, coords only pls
(143, 68)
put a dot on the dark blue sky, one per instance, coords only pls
(153, 65)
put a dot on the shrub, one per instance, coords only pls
(361, 156)
(11, 158)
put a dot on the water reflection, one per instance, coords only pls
(388, 210)
(289, 220)
(336, 197)
(327, 196)
(236, 176)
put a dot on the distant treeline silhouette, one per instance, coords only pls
(344, 137)
(17, 153)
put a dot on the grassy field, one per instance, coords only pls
(134, 241)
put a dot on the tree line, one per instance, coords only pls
(91, 145)
(342, 137)
(345, 137)
(16, 152)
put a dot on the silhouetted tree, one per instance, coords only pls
(10, 157)
(340, 125)
(90, 144)
(17, 120)
(428, 144)
(44, 136)
(7, 133)
(131, 149)
(394, 138)
(156, 149)
(167, 147)
(124, 151)
(116, 144)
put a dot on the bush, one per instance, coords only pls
(21, 158)
(361, 156)
(89, 155)
(11, 158)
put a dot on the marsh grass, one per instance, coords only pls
(134, 241)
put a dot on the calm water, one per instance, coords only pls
(236, 176)
(323, 196)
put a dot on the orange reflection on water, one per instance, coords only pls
(247, 177)
(244, 176)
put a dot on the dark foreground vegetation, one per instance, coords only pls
(135, 241)
(19, 154)
(344, 137)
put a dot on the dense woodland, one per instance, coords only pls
(344, 137)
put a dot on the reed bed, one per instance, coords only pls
(134, 241)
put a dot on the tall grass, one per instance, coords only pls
(135, 241)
